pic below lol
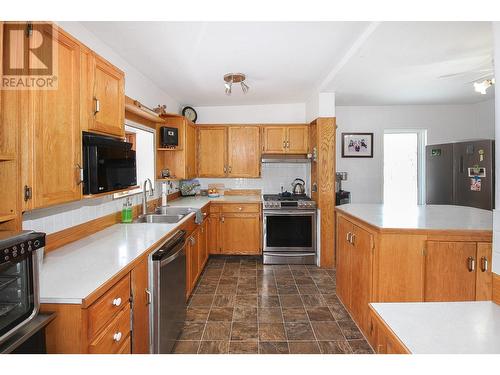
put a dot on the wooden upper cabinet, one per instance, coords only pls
(54, 125)
(450, 271)
(243, 153)
(190, 150)
(298, 140)
(274, 140)
(285, 139)
(108, 98)
(212, 151)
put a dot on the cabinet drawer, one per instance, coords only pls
(108, 306)
(214, 208)
(245, 207)
(114, 336)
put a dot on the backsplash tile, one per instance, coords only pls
(57, 218)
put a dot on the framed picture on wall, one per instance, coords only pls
(357, 145)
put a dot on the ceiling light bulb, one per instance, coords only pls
(228, 88)
(482, 87)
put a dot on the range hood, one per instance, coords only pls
(285, 158)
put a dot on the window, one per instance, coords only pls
(404, 152)
(143, 140)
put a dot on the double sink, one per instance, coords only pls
(165, 215)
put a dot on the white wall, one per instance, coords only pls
(444, 123)
(137, 85)
(252, 114)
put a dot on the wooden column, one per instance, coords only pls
(322, 136)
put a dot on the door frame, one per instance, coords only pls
(421, 143)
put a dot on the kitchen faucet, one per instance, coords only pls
(144, 195)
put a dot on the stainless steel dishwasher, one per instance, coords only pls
(168, 286)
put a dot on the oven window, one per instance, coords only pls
(289, 231)
(16, 293)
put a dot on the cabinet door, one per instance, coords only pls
(193, 259)
(212, 152)
(190, 150)
(202, 246)
(297, 140)
(55, 124)
(344, 230)
(484, 276)
(361, 276)
(240, 233)
(274, 139)
(140, 308)
(243, 155)
(109, 98)
(213, 240)
(448, 274)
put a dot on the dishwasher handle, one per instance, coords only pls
(170, 249)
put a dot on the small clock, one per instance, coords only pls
(190, 113)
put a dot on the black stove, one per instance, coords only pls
(288, 201)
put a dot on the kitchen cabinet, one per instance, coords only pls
(235, 228)
(212, 146)
(52, 135)
(285, 139)
(243, 151)
(139, 279)
(229, 151)
(196, 255)
(203, 249)
(108, 97)
(355, 257)
(383, 340)
(389, 265)
(457, 271)
(180, 161)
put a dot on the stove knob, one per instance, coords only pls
(22, 251)
(14, 254)
(36, 243)
(6, 251)
(7, 257)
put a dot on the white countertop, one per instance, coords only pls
(424, 217)
(72, 272)
(444, 327)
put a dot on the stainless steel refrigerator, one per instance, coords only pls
(461, 173)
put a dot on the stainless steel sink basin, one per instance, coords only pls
(156, 219)
(172, 211)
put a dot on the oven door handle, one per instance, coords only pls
(288, 254)
(307, 212)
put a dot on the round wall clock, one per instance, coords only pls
(190, 113)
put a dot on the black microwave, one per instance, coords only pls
(108, 164)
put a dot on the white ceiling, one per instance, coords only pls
(285, 62)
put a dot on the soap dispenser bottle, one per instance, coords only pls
(127, 211)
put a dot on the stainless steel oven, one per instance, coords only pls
(19, 258)
(289, 236)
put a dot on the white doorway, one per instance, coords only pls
(404, 158)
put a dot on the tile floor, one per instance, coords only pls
(242, 306)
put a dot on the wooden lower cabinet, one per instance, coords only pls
(383, 340)
(373, 265)
(140, 307)
(196, 255)
(213, 229)
(240, 233)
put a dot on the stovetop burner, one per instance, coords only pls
(288, 201)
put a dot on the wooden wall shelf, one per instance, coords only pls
(7, 217)
(135, 107)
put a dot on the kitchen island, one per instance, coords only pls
(410, 254)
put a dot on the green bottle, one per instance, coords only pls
(127, 211)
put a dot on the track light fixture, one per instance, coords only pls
(231, 78)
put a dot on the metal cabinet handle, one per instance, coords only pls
(284, 144)
(287, 144)
(484, 264)
(225, 169)
(117, 336)
(471, 264)
(117, 302)
(97, 107)
(230, 169)
(353, 238)
(149, 298)
(222, 218)
(192, 240)
(348, 237)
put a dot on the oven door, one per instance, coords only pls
(19, 300)
(289, 230)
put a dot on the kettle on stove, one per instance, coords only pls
(298, 187)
